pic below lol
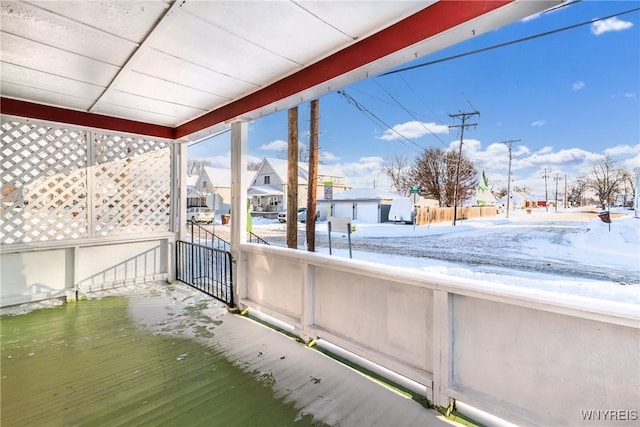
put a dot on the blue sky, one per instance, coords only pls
(569, 97)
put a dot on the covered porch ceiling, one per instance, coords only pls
(184, 69)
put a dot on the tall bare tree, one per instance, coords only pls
(627, 186)
(604, 180)
(398, 170)
(434, 171)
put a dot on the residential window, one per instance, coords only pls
(267, 179)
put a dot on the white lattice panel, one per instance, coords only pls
(132, 185)
(61, 184)
(43, 183)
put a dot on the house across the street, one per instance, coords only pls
(268, 189)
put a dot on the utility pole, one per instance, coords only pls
(546, 196)
(292, 180)
(508, 144)
(556, 179)
(463, 117)
(313, 176)
(565, 191)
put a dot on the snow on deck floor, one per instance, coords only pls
(300, 383)
(314, 383)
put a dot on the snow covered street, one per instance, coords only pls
(569, 252)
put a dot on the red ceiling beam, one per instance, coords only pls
(426, 23)
(80, 118)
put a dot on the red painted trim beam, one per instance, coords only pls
(80, 118)
(422, 25)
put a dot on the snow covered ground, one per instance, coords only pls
(562, 252)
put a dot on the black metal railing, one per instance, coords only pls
(202, 236)
(254, 238)
(206, 269)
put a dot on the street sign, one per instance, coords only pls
(415, 189)
(328, 190)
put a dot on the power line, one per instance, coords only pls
(523, 39)
(411, 114)
(377, 120)
(418, 96)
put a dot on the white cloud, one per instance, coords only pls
(412, 130)
(365, 173)
(277, 145)
(327, 157)
(610, 24)
(623, 150)
(538, 123)
(578, 85)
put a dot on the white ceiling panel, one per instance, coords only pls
(130, 19)
(191, 75)
(254, 22)
(155, 88)
(37, 79)
(359, 19)
(162, 107)
(148, 114)
(199, 42)
(55, 61)
(43, 96)
(44, 27)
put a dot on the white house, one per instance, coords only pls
(268, 188)
(365, 205)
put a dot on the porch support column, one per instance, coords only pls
(179, 190)
(239, 205)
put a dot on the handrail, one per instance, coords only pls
(210, 238)
(256, 237)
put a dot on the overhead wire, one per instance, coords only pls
(378, 121)
(411, 114)
(509, 43)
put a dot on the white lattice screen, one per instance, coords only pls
(60, 184)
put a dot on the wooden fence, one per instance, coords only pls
(427, 215)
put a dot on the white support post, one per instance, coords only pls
(442, 336)
(239, 204)
(179, 189)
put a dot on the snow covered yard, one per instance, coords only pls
(570, 252)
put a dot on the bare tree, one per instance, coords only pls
(398, 171)
(604, 180)
(576, 191)
(253, 166)
(194, 166)
(435, 172)
(627, 186)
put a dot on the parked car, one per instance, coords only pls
(302, 215)
(200, 214)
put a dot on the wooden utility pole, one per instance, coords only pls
(313, 176)
(508, 144)
(546, 193)
(565, 191)
(292, 180)
(463, 117)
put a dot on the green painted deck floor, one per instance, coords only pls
(169, 355)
